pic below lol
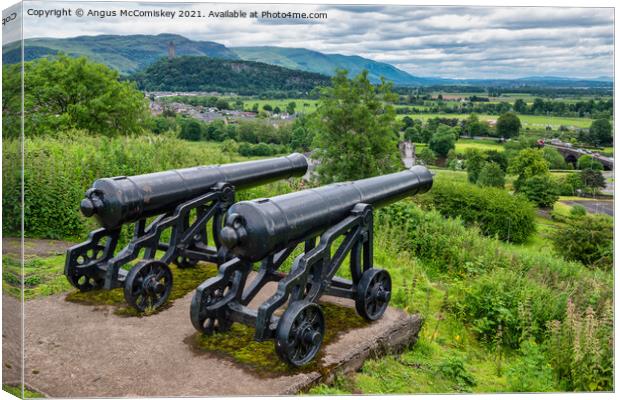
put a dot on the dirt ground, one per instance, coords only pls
(77, 350)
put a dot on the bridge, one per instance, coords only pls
(572, 154)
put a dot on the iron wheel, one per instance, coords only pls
(373, 293)
(300, 333)
(148, 285)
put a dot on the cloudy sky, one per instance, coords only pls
(453, 42)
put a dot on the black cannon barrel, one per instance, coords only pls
(256, 228)
(123, 199)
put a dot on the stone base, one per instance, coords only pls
(76, 350)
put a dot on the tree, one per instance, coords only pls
(290, 107)
(588, 162)
(554, 158)
(541, 190)
(520, 106)
(61, 93)
(191, 130)
(491, 174)
(427, 156)
(267, 107)
(355, 129)
(588, 239)
(526, 164)
(474, 162)
(570, 184)
(599, 134)
(301, 138)
(475, 127)
(255, 107)
(277, 110)
(442, 140)
(497, 157)
(407, 122)
(508, 125)
(592, 180)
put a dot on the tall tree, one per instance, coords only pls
(508, 125)
(599, 134)
(526, 164)
(442, 140)
(355, 129)
(64, 92)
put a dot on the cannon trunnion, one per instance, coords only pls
(181, 204)
(330, 223)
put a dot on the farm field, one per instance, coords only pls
(533, 121)
(302, 105)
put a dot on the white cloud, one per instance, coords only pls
(473, 42)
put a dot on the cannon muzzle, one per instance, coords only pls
(256, 228)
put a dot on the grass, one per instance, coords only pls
(484, 145)
(17, 392)
(528, 121)
(302, 105)
(44, 276)
(448, 174)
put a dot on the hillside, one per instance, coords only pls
(127, 54)
(210, 74)
(327, 64)
(131, 53)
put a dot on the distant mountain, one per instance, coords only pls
(327, 64)
(540, 81)
(188, 73)
(131, 53)
(127, 54)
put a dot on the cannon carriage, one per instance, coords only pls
(330, 223)
(180, 205)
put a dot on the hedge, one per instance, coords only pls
(495, 211)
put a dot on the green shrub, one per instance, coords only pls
(531, 372)
(260, 149)
(588, 239)
(588, 162)
(569, 184)
(494, 211)
(427, 156)
(541, 190)
(495, 284)
(578, 211)
(506, 303)
(491, 174)
(442, 140)
(453, 368)
(580, 348)
(554, 158)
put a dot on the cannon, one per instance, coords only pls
(178, 205)
(327, 224)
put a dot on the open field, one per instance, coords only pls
(302, 105)
(463, 144)
(527, 121)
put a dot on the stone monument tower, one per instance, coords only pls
(172, 52)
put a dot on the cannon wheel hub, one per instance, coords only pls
(148, 285)
(300, 333)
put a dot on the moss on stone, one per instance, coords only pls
(239, 345)
(185, 280)
(17, 392)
